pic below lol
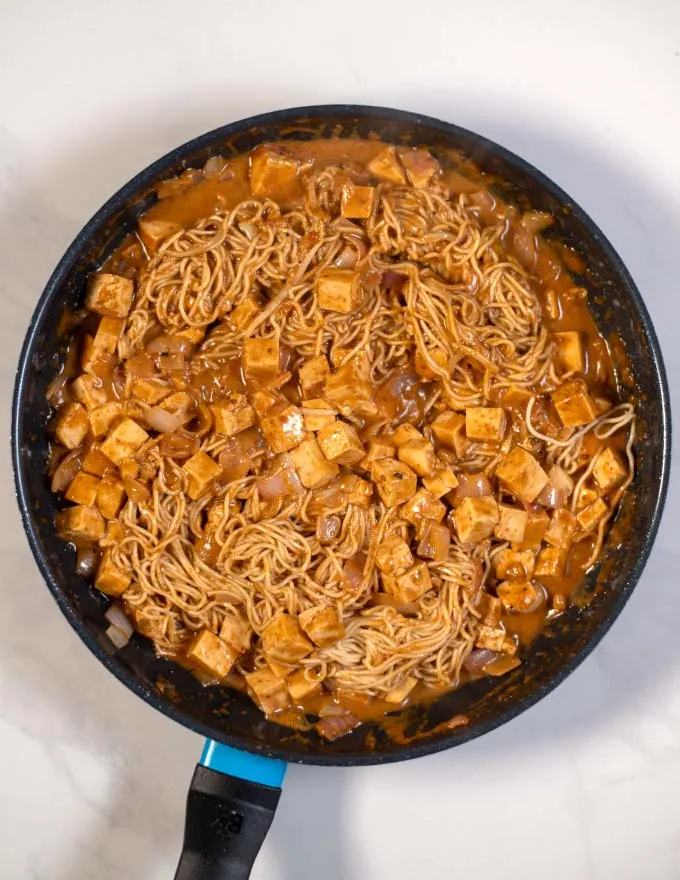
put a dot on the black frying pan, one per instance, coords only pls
(233, 796)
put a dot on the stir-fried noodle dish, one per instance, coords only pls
(336, 427)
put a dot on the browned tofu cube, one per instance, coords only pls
(95, 462)
(318, 414)
(550, 562)
(442, 481)
(263, 400)
(518, 596)
(419, 164)
(124, 441)
(338, 290)
(111, 579)
(109, 295)
(574, 404)
(393, 555)
(350, 385)
(568, 355)
(322, 625)
(419, 456)
(514, 565)
(435, 541)
(537, 524)
(490, 638)
(153, 232)
(423, 368)
(260, 359)
(446, 428)
(421, 506)
(105, 340)
(405, 434)
(80, 523)
(201, 470)
(193, 334)
(490, 608)
(357, 201)
(103, 417)
(72, 425)
(411, 584)
(303, 683)
(609, 471)
(242, 314)
(586, 495)
(485, 423)
(521, 474)
(211, 654)
(237, 632)
(110, 495)
(511, 525)
(283, 428)
(150, 391)
(284, 641)
(377, 448)
(475, 519)
(83, 489)
(591, 516)
(340, 443)
(312, 375)
(271, 171)
(516, 396)
(269, 691)
(399, 693)
(386, 166)
(561, 529)
(113, 534)
(312, 466)
(394, 480)
(233, 415)
(89, 390)
(358, 491)
(280, 669)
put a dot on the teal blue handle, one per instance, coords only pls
(243, 765)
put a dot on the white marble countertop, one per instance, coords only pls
(584, 785)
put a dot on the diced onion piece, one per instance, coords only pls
(385, 599)
(178, 445)
(214, 166)
(471, 486)
(328, 528)
(233, 461)
(118, 618)
(558, 488)
(347, 258)
(334, 726)
(66, 470)
(502, 665)
(163, 421)
(56, 393)
(86, 561)
(136, 490)
(118, 637)
(167, 343)
(140, 366)
(537, 221)
(477, 659)
(353, 572)
(274, 486)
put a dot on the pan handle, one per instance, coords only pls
(230, 806)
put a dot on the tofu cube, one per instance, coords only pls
(233, 415)
(113, 534)
(393, 555)
(359, 492)
(491, 638)
(357, 201)
(103, 417)
(193, 334)
(512, 524)
(568, 353)
(72, 425)
(586, 495)
(561, 529)
(89, 390)
(591, 516)
(322, 625)
(312, 375)
(377, 449)
(260, 359)
(423, 368)
(485, 423)
(516, 396)
(609, 471)
(80, 523)
(442, 481)
(180, 404)
(490, 608)
(475, 519)
(350, 385)
(124, 441)
(153, 232)
(338, 290)
(284, 641)
(110, 495)
(318, 414)
(269, 691)
(105, 339)
(283, 428)
(303, 683)
(574, 404)
(405, 434)
(386, 166)
(95, 462)
(419, 164)
(550, 562)
(201, 470)
(271, 171)
(280, 669)
(263, 400)
(419, 456)
(518, 596)
(109, 295)
(150, 391)
(394, 480)
(237, 632)
(514, 565)
(421, 506)
(435, 541)
(242, 314)
(521, 474)
(111, 579)
(211, 654)
(399, 693)
(83, 489)
(340, 443)
(411, 584)
(446, 429)
(312, 466)
(537, 525)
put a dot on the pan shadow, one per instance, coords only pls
(123, 768)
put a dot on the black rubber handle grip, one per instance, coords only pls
(227, 821)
